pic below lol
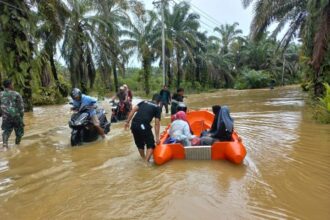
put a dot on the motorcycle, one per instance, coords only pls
(83, 129)
(120, 111)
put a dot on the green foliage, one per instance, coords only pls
(322, 107)
(135, 80)
(193, 87)
(252, 79)
(325, 101)
(98, 38)
(48, 96)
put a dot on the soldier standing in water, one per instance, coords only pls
(12, 112)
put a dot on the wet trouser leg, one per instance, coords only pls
(19, 132)
(96, 122)
(166, 107)
(164, 104)
(7, 128)
(5, 136)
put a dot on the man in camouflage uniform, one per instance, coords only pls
(12, 112)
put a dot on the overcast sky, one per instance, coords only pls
(217, 12)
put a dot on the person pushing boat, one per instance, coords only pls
(141, 116)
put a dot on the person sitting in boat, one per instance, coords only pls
(176, 99)
(180, 129)
(213, 129)
(224, 128)
(180, 107)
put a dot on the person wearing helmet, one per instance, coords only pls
(80, 100)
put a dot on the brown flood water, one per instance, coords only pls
(286, 174)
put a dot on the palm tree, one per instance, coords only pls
(182, 29)
(219, 65)
(110, 53)
(308, 19)
(78, 43)
(196, 69)
(16, 45)
(228, 34)
(143, 38)
(222, 59)
(53, 15)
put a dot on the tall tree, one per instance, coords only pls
(109, 52)
(78, 43)
(53, 15)
(308, 19)
(16, 46)
(143, 38)
(222, 60)
(227, 35)
(182, 30)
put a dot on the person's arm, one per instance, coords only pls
(114, 97)
(75, 105)
(157, 115)
(157, 129)
(186, 131)
(21, 105)
(130, 95)
(130, 116)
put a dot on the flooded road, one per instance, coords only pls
(286, 174)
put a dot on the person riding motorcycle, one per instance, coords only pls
(124, 103)
(128, 92)
(79, 101)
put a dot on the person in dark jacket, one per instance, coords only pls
(165, 98)
(224, 128)
(176, 99)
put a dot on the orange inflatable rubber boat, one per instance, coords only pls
(199, 121)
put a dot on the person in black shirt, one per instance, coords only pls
(176, 98)
(143, 114)
(165, 98)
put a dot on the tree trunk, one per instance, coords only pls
(45, 76)
(179, 74)
(115, 76)
(169, 75)
(320, 49)
(60, 88)
(27, 92)
(146, 74)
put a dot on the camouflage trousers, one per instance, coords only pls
(8, 125)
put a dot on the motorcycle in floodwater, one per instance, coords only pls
(120, 111)
(83, 129)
